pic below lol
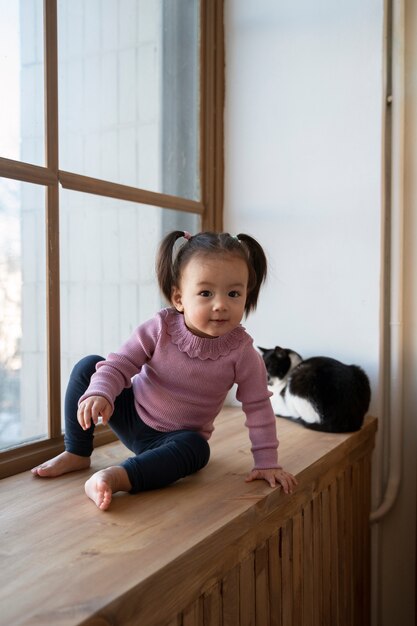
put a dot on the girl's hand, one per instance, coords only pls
(91, 409)
(274, 476)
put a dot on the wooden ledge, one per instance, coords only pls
(64, 562)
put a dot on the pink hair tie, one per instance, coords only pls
(187, 235)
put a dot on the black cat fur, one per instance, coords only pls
(320, 392)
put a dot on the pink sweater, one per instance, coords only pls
(180, 381)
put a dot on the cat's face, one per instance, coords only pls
(279, 361)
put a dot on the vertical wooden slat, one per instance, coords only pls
(193, 614)
(230, 597)
(317, 560)
(366, 486)
(297, 546)
(212, 606)
(262, 585)
(247, 591)
(308, 567)
(357, 556)
(349, 544)
(344, 569)
(326, 576)
(335, 558)
(275, 581)
(343, 586)
(286, 557)
(52, 219)
(361, 539)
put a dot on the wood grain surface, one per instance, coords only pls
(209, 550)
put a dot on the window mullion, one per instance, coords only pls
(212, 111)
(52, 219)
(86, 184)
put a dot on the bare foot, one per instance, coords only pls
(61, 464)
(103, 484)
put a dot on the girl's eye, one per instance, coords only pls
(205, 293)
(234, 294)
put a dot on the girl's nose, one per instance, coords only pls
(219, 303)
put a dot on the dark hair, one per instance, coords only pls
(172, 260)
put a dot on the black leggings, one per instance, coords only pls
(160, 458)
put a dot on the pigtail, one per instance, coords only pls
(258, 264)
(165, 270)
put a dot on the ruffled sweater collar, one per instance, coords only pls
(201, 347)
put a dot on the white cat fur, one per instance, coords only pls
(289, 405)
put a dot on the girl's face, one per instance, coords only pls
(212, 294)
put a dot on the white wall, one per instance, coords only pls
(304, 164)
(296, 179)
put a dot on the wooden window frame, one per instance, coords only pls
(210, 208)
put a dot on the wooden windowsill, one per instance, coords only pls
(64, 562)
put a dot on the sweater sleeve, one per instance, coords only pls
(254, 395)
(116, 372)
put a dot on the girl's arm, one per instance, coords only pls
(254, 395)
(260, 419)
(115, 373)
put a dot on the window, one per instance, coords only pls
(89, 187)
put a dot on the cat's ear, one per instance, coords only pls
(279, 351)
(263, 350)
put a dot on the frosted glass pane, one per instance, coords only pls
(22, 81)
(129, 92)
(23, 383)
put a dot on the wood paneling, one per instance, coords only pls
(211, 550)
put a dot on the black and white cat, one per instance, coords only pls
(320, 393)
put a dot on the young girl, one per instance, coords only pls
(161, 392)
